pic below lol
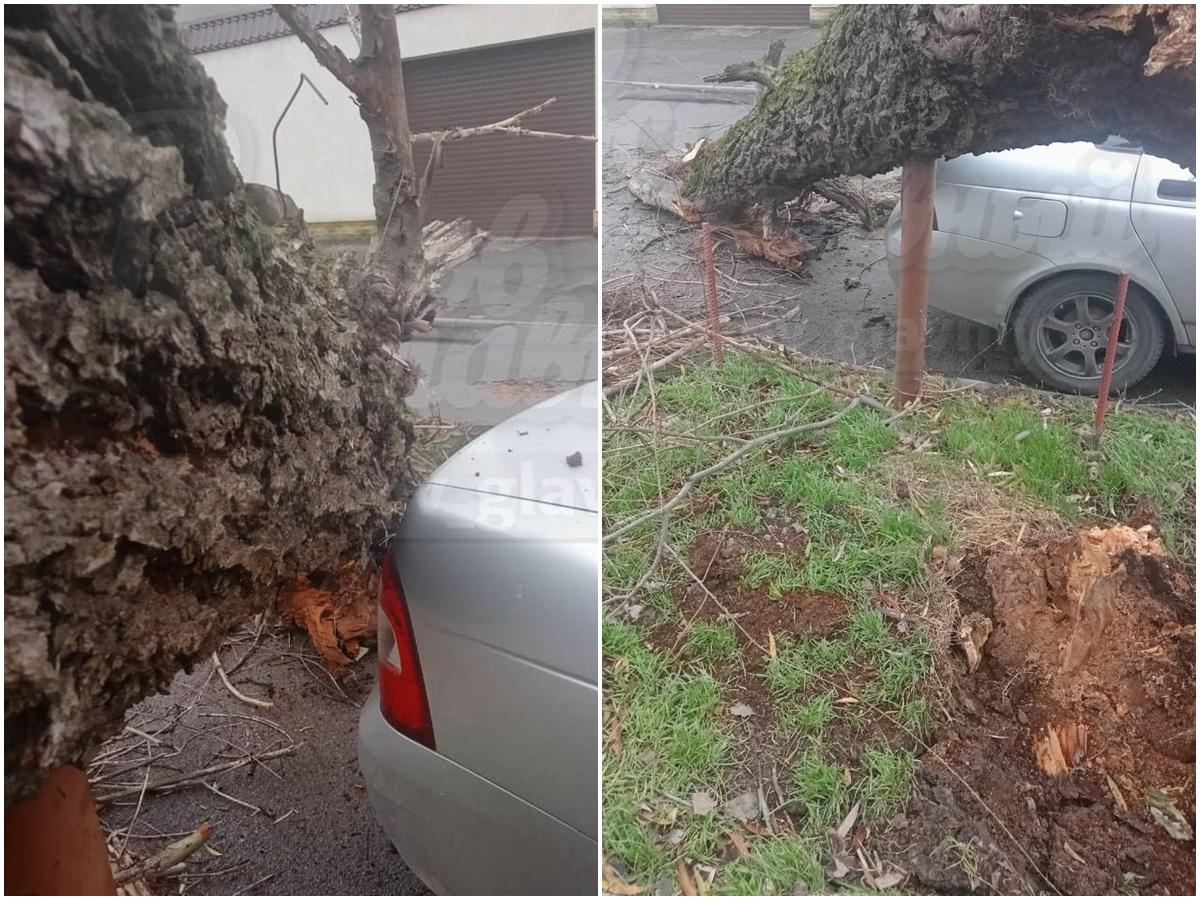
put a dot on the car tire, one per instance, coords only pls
(1061, 325)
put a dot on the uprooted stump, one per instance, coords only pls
(196, 413)
(1066, 746)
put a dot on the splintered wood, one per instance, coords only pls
(337, 615)
(1054, 612)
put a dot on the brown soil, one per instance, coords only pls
(1092, 641)
(1118, 684)
(718, 559)
(763, 755)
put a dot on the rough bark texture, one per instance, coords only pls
(194, 413)
(889, 83)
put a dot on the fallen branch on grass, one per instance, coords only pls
(189, 778)
(725, 462)
(166, 858)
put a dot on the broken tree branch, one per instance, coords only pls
(728, 460)
(169, 856)
(326, 53)
(509, 125)
(189, 778)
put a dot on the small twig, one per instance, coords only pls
(510, 125)
(189, 778)
(728, 460)
(250, 806)
(151, 738)
(262, 620)
(168, 857)
(253, 701)
(249, 718)
(252, 885)
(136, 812)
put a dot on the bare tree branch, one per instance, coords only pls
(326, 53)
(510, 125)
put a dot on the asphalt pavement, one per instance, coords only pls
(299, 824)
(518, 326)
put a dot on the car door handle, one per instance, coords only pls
(1176, 189)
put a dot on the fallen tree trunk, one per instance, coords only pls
(890, 83)
(196, 414)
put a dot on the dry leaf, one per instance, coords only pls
(883, 882)
(1118, 797)
(684, 877)
(843, 830)
(1167, 814)
(741, 710)
(702, 803)
(1071, 853)
(739, 843)
(615, 884)
(614, 739)
(743, 807)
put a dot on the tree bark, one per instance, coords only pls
(195, 413)
(891, 83)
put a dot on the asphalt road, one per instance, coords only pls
(316, 832)
(846, 295)
(518, 326)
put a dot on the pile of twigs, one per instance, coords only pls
(652, 337)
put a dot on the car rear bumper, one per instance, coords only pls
(460, 833)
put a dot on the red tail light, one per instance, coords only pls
(402, 698)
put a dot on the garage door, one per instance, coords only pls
(789, 14)
(511, 185)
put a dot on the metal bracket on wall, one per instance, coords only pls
(275, 131)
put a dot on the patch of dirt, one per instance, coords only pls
(1089, 673)
(719, 559)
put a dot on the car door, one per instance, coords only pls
(1163, 214)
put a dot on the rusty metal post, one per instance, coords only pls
(708, 264)
(53, 843)
(1110, 354)
(916, 235)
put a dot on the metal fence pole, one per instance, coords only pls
(916, 235)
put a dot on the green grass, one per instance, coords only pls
(864, 534)
(809, 717)
(819, 790)
(671, 746)
(711, 642)
(915, 717)
(887, 780)
(1141, 455)
(786, 865)
(801, 664)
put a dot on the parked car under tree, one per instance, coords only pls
(478, 744)
(1030, 242)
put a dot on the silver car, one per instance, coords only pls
(1030, 242)
(479, 743)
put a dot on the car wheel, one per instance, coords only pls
(1061, 333)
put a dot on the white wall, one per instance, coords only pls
(324, 154)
